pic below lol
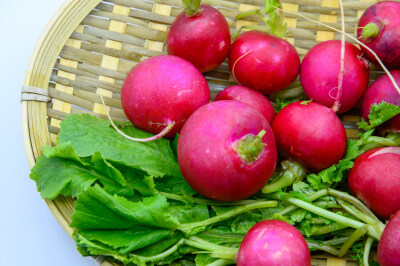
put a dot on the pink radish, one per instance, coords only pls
(274, 243)
(310, 134)
(250, 97)
(379, 29)
(375, 179)
(263, 61)
(389, 245)
(380, 90)
(162, 91)
(319, 73)
(226, 150)
(203, 38)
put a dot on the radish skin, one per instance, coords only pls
(162, 90)
(389, 245)
(311, 134)
(202, 38)
(320, 69)
(275, 243)
(250, 97)
(379, 29)
(213, 155)
(375, 180)
(263, 62)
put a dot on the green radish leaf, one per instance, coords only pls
(299, 195)
(303, 187)
(174, 145)
(315, 181)
(160, 246)
(378, 114)
(222, 235)
(88, 134)
(282, 103)
(358, 250)
(306, 102)
(336, 172)
(60, 171)
(298, 215)
(125, 241)
(204, 259)
(95, 209)
(57, 176)
(87, 247)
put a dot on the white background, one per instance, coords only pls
(29, 233)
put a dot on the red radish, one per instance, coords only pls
(389, 244)
(380, 90)
(263, 61)
(163, 90)
(375, 180)
(379, 29)
(274, 243)
(250, 97)
(319, 73)
(203, 38)
(310, 134)
(226, 150)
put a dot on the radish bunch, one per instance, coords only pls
(228, 149)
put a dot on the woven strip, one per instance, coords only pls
(29, 93)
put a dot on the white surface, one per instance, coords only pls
(30, 235)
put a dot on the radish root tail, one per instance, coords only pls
(234, 64)
(336, 103)
(164, 132)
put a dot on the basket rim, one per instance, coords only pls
(42, 60)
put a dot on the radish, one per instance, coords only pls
(389, 245)
(273, 242)
(201, 36)
(250, 97)
(375, 180)
(380, 90)
(310, 134)
(319, 73)
(379, 29)
(161, 92)
(263, 61)
(226, 150)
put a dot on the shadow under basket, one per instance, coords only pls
(89, 47)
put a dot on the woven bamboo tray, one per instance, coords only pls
(89, 46)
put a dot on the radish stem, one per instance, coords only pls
(191, 6)
(164, 254)
(218, 251)
(291, 172)
(371, 30)
(352, 200)
(187, 228)
(367, 249)
(352, 239)
(333, 216)
(206, 201)
(325, 248)
(221, 262)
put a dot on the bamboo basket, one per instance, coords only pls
(89, 46)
